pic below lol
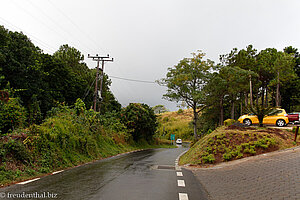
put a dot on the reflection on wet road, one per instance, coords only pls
(130, 176)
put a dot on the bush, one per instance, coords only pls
(180, 111)
(229, 122)
(209, 158)
(141, 120)
(227, 156)
(12, 115)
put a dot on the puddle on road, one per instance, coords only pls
(163, 167)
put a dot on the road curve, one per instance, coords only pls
(148, 174)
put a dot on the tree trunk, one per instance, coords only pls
(221, 112)
(277, 91)
(232, 110)
(246, 100)
(241, 108)
(251, 92)
(263, 96)
(195, 122)
(267, 97)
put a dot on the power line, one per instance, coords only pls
(46, 46)
(93, 42)
(135, 80)
(65, 37)
(98, 59)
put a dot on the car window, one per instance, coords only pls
(275, 112)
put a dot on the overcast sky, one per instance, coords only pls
(145, 37)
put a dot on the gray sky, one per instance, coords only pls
(145, 37)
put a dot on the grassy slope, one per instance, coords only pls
(230, 143)
(176, 123)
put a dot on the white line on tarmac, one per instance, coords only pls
(25, 182)
(179, 173)
(57, 172)
(180, 183)
(183, 196)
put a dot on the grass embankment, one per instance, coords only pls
(64, 141)
(233, 142)
(178, 123)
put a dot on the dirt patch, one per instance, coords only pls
(283, 134)
(240, 128)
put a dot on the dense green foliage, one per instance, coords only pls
(12, 115)
(140, 120)
(244, 80)
(69, 137)
(46, 125)
(185, 82)
(41, 81)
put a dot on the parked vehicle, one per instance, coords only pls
(178, 141)
(276, 117)
(294, 117)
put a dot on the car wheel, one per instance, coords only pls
(280, 123)
(248, 122)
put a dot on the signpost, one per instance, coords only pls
(173, 138)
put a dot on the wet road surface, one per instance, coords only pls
(132, 176)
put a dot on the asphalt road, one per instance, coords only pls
(133, 176)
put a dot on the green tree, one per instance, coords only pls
(283, 67)
(186, 81)
(159, 109)
(290, 89)
(141, 120)
(12, 115)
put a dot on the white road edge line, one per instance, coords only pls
(57, 172)
(25, 182)
(180, 183)
(177, 159)
(183, 196)
(179, 173)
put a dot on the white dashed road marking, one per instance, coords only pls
(25, 182)
(183, 196)
(181, 183)
(179, 173)
(57, 172)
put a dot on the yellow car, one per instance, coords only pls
(276, 117)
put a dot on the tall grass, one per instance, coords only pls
(178, 123)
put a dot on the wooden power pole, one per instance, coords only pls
(98, 59)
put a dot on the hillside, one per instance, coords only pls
(233, 142)
(177, 122)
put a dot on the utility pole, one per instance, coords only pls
(102, 77)
(98, 59)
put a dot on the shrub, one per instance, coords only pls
(180, 111)
(141, 120)
(12, 115)
(79, 106)
(229, 122)
(208, 158)
(227, 156)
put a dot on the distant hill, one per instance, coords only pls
(177, 122)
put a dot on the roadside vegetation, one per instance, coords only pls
(234, 142)
(244, 81)
(177, 122)
(70, 137)
(46, 123)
